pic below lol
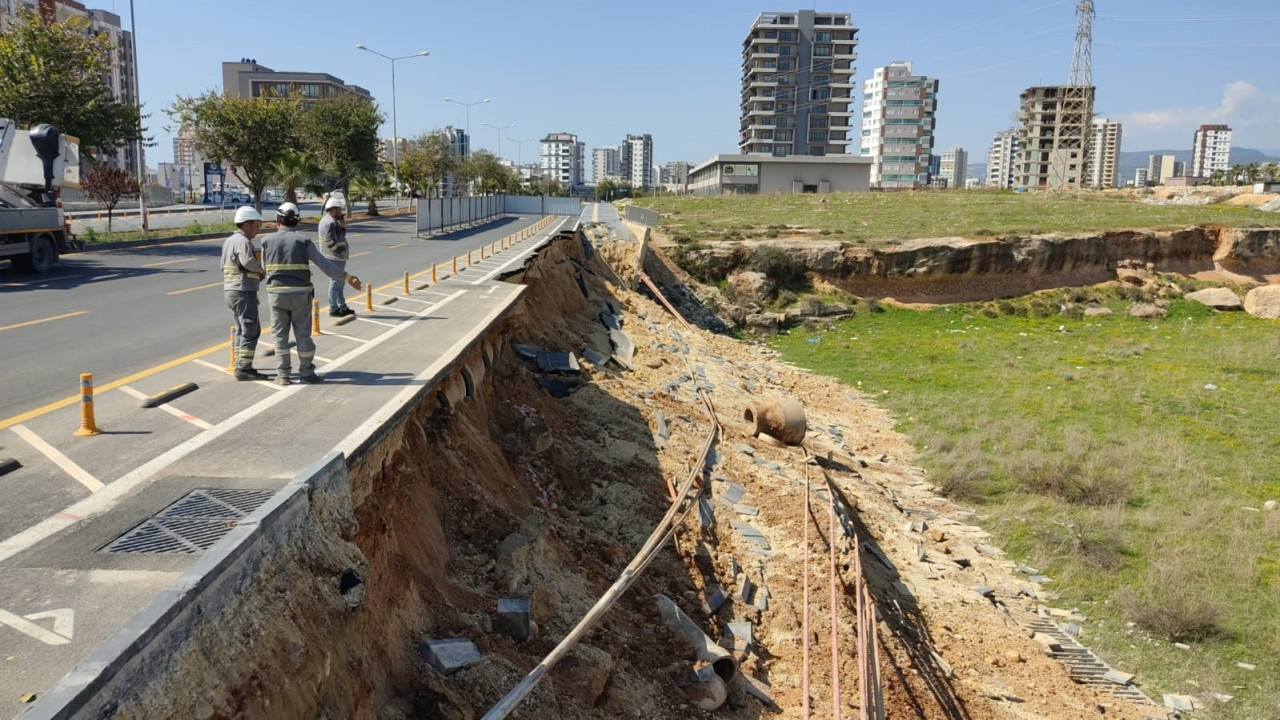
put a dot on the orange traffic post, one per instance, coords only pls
(315, 318)
(87, 426)
(406, 282)
(433, 273)
(368, 297)
(231, 361)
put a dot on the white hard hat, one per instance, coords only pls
(334, 202)
(245, 213)
(287, 210)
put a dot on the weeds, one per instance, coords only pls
(783, 268)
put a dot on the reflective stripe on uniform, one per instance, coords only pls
(277, 267)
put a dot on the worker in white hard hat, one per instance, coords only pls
(287, 255)
(333, 245)
(242, 272)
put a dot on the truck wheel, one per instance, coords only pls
(43, 254)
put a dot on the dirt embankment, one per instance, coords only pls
(945, 270)
(515, 493)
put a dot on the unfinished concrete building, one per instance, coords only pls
(1054, 136)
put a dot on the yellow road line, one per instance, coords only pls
(169, 262)
(202, 287)
(43, 320)
(366, 252)
(67, 464)
(10, 422)
(168, 408)
(393, 247)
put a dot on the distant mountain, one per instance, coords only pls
(1130, 161)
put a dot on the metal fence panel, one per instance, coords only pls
(644, 216)
(563, 206)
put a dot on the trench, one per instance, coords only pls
(491, 487)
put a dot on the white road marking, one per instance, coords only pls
(405, 298)
(323, 360)
(25, 626)
(104, 277)
(348, 337)
(223, 370)
(377, 322)
(147, 473)
(168, 408)
(67, 464)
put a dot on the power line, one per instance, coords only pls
(1233, 43)
(1189, 18)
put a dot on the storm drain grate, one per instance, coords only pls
(1084, 666)
(192, 524)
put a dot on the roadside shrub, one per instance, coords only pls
(779, 266)
(1176, 611)
(771, 234)
(1075, 312)
(1086, 540)
(1012, 309)
(90, 236)
(195, 228)
(785, 298)
(873, 305)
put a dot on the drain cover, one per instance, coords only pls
(192, 524)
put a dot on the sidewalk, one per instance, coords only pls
(71, 581)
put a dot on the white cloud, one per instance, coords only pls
(1249, 110)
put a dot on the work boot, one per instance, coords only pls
(249, 374)
(311, 379)
(347, 311)
(282, 378)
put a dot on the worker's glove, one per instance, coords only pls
(353, 281)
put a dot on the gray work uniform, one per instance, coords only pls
(287, 255)
(241, 274)
(333, 245)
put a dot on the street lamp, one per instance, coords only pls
(137, 104)
(520, 148)
(468, 107)
(499, 128)
(395, 134)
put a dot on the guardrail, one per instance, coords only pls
(644, 216)
(438, 214)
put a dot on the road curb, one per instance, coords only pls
(126, 244)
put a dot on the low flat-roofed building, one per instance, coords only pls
(793, 174)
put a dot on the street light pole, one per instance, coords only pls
(395, 133)
(137, 103)
(499, 128)
(468, 107)
(520, 149)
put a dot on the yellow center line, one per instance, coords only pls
(112, 385)
(366, 252)
(393, 247)
(202, 287)
(169, 262)
(43, 320)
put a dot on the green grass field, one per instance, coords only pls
(871, 217)
(1116, 455)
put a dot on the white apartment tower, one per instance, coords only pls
(897, 125)
(953, 166)
(1104, 154)
(604, 164)
(635, 161)
(562, 159)
(1212, 150)
(1002, 159)
(797, 84)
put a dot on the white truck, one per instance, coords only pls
(34, 166)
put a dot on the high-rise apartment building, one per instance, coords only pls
(1211, 150)
(562, 159)
(635, 161)
(897, 125)
(1140, 177)
(1056, 122)
(1104, 154)
(604, 164)
(247, 78)
(797, 84)
(675, 172)
(1162, 167)
(1002, 159)
(460, 146)
(953, 167)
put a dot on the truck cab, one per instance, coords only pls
(34, 166)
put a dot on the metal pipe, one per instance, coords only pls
(708, 651)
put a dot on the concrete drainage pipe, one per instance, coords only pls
(782, 419)
(716, 665)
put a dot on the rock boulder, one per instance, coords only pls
(1217, 298)
(1094, 312)
(749, 285)
(1147, 311)
(1263, 302)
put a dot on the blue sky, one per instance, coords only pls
(604, 69)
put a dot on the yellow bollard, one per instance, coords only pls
(231, 362)
(406, 282)
(87, 425)
(315, 318)
(368, 297)
(482, 252)
(433, 273)
(455, 264)
(468, 258)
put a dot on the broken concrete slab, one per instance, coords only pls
(1246, 666)
(706, 514)
(1072, 629)
(747, 510)
(1039, 579)
(733, 493)
(745, 590)
(984, 591)
(624, 350)
(745, 449)
(525, 350)
(663, 432)
(555, 361)
(747, 530)
(450, 655)
(716, 598)
(1118, 677)
(1048, 642)
(741, 632)
(1181, 703)
(513, 618)
(595, 357)
(610, 321)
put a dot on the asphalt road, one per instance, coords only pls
(117, 312)
(168, 218)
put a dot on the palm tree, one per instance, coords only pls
(297, 170)
(369, 188)
(1251, 173)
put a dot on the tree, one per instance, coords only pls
(426, 165)
(342, 133)
(1236, 177)
(1252, 173)
(369, 188)
(247, 134)
(488, 172)
(296, 170)
(108, 185)
(53, 74)
(549, 187)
